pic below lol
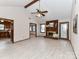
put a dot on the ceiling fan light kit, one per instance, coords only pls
(38, 15)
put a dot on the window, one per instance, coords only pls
(32, 28)
(42, 28)
(1, 27)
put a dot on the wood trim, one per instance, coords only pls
(60, 30)
(29, 30)
(36, 29)
(31, 3)
(12, 33)
(22, 40)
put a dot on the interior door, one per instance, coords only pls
(33, 30)
(64, 30)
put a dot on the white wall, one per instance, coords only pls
(75, 37)
(21, 27)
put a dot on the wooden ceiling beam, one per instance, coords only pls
(31, 3)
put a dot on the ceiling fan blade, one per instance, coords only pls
(41, 11)
(42, 14)
(31, 3)
(44, 11)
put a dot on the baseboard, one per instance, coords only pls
(40, 36)
(73, 49)
(21, 40)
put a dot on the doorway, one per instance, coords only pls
(64, 30)
(6, 30)
(33, 30)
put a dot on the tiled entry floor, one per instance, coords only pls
(36, 48)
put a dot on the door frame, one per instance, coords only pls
(12, 32)
(67, 30)
(35, 29)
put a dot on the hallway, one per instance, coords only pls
(36, 48)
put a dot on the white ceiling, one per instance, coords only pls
(57, 8)
(14, 2)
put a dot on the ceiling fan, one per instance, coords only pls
(39, 12)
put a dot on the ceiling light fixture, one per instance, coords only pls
(38, 15)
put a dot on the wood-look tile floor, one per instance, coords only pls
(36, 48)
